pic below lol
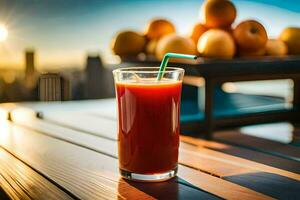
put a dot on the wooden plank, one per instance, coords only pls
(227, 165)
(21, 182)
(27, 118)
(91, 162)
(107, 107)
(74, 121)
(263, 178)
(276, 186)
(212, 184)
(258, 144)
(257, 157)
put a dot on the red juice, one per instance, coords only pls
(148, 132)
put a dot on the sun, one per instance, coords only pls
(3, 33)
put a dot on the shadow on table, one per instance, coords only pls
(279, 187)
(3, 195)
(175, 188)
(274, 161)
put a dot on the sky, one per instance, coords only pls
(64, 32)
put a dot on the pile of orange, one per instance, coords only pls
(214, 36)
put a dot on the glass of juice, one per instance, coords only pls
(148, 122)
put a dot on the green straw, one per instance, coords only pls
(166, 58)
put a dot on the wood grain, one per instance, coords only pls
(25, 117)
(21, 182)
(78, 121)
(86, 174)
(109, 166)
(274, 182)
(258, 144)
(210, 183)
(251, 155)
(227, 165)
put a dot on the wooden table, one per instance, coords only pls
(69, 151)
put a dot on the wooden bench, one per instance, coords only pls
(215, 72)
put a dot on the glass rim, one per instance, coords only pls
(145, 71)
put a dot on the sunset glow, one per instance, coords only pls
(3, 33)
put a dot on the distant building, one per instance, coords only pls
(98, 79)
(54, 87)
(29, 63)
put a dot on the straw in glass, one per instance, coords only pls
(166, 58)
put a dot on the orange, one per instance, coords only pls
(217, 13)
(197, 31)
(157, 28)
(276, 48)
(128, 43)
(291, 36)
(151, 47)
(216, 43)
(250, 35)
(174, 44)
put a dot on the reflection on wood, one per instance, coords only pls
(239, 165)
(21, 182)
(259, 144)
(247, 154)
(86, 174)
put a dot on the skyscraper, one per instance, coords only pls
(29, 62)
(98, 79)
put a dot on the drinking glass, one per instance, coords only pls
(148, 122)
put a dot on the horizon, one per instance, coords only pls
(63, 33)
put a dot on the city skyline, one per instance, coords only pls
(63, 33)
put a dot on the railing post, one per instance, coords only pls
(209, 104)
